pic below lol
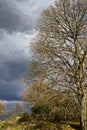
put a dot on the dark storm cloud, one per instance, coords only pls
(20, 15)
(17, 21)
(12, 70)
(13, 59)
(10, 90)
(12, 19)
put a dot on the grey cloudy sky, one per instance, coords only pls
(17, 22)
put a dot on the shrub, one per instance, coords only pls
(25, 117)
(57, 107)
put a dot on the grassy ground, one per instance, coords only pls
(12, 124)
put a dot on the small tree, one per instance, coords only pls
(2, 107)
(16, 109)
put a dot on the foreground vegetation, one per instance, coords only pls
(29, 122)
(51, 110)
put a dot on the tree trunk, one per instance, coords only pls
(84, 110)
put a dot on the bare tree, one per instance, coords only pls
(61, 46)
(2, 107)
(16, 109)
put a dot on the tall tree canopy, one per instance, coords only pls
(60, 45)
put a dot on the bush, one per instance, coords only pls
(25, 117)
(54, 117)
(41, 111)
(61, 107)
(46, 126)
(5, 125)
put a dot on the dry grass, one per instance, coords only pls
(11, 124)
